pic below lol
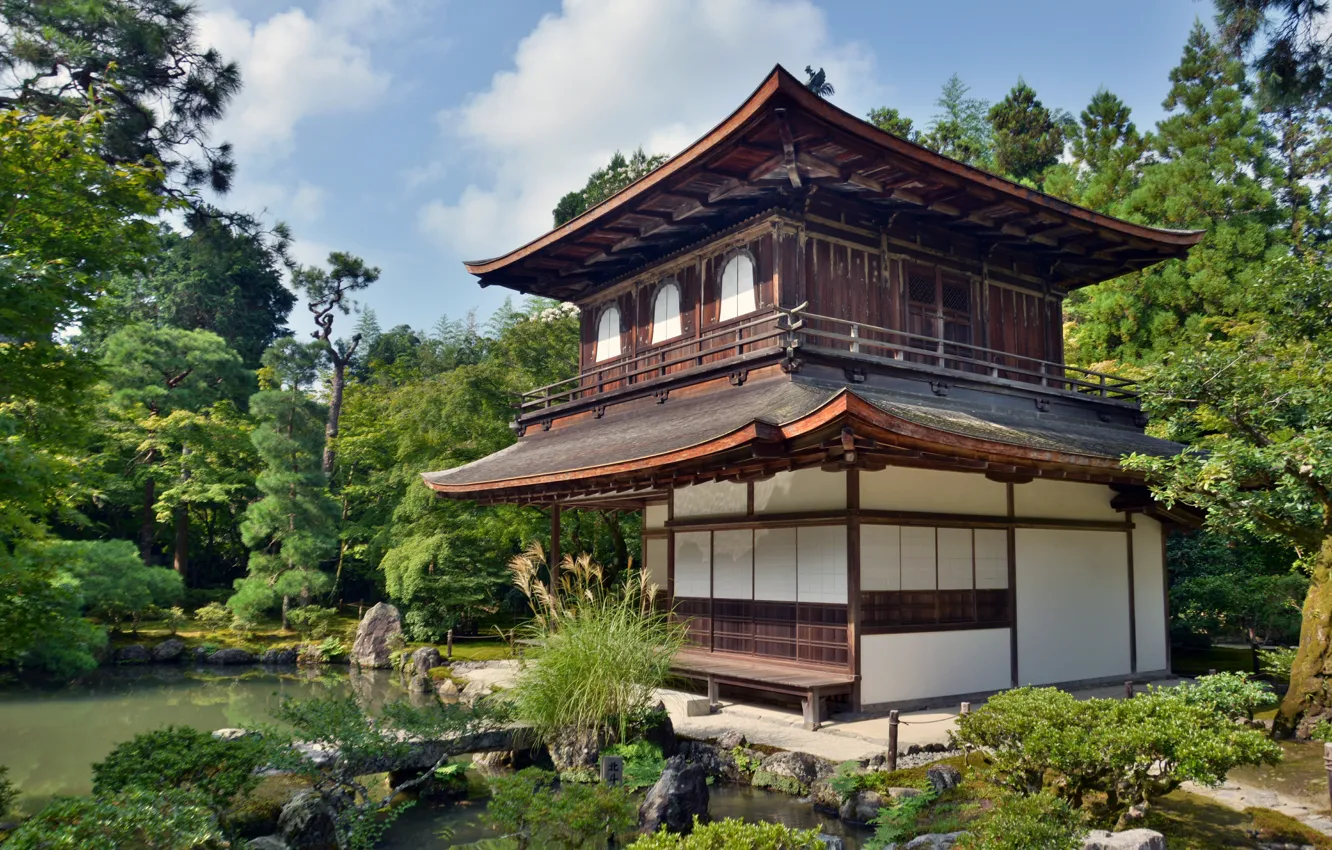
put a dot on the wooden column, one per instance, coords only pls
(1012, 591)
(853, 582)
(1132, 603)
(670, 549)
(554, 546)
(1165, 593)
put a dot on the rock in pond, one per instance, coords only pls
(861, 806)
(377, 629)
(791, 773)
(133, 654)
(705, 755)
(169, 651)
(231, 656)
(426, 659)
(571, 749)
(933, 841)
(1130, 839)
(731, 740)
(280, 657)
(831, 842)
(308, 823)
(421, 685)
(679, 795)
(447, 689)
(661, 731)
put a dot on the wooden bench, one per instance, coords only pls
(813, 685)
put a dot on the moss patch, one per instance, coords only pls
(258, 813)
(774, 782)
(1275, 827)
(1193, 822)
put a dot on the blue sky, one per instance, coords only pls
(419, 133)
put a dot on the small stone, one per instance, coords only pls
(426, 659)
(446, 688)
(279, 657)
(914, 749)
(861, 806)
(133, 654)
(943, 777)
(169, 650)
(831, 842)
(698, 708)
(933, 841)
(902, 793)
(731, 740)
(1130, 839)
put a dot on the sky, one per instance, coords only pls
(421, 133)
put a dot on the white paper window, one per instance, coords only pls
(955, 559)
(737, 288)
(918, 559)
(608, 334)
(775, 564)
(880, 557)
(991, 559)
(693, 564)
(666, 312)
(733, 564)
(821, 552)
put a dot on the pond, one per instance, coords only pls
(52, 737)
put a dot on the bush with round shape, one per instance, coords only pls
(216, 771)
(213, 617)
(142, 819)
(734, 834)
(1038, 822)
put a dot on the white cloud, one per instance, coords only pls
(603, 75)
(293, 67)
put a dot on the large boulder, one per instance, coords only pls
(308, 823)
(943, 777)
(169, 651)
(572, 749)
(380, 625)
(279, 657)
(231, 656)
(679, 795)
(714, 763)
(661, 731)
(791, 773)
(133, 654)
(426, 659)
(1131, 839)
(861, 807)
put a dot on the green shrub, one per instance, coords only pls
(8, 793)
(896, 823)
(1233, 694)
(142, 819)
(847, 780)
(744, 761)
(601, 651)
(174, 617)
(213, 617)
(1130, 751)
(216, 771)
(1322, 731)
(528, 808)
(643, 763)
(1276, 663)
(1038, 822)
(733, 834)
(313, 620)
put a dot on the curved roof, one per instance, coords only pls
(782, 140)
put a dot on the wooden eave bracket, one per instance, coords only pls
(788, 148)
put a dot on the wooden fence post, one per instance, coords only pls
(893, 722)
(449, 645)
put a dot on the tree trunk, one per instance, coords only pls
(148, 522)
(1310, 694)
(334, 412)
(180, 558)
(286, 602)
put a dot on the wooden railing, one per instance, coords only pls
(796, 328)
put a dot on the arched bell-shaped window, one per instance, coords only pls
(608, 334)
(738, 290)
(666, 312)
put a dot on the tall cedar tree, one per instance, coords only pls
(1210, 170)
(961, 129)
(152, 372)
(328, 292)
(1253, 401)
(140, 62)
(1027, 138)
(292, 529)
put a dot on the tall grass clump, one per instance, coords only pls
(600, 650)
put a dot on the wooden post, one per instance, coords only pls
(893, 721)
(1128, 689)
(966, 709)
(1211, 672)
(554, 547)
(449, 645)
(714, 699)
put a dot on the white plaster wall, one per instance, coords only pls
(901, 488)
(775, 564)
(802, 490)
(714, 498)
(821, 552)
(1046, 499)
(1149, 593)
(880, 557)
(1072, 605)
(921, 665)
(655, 559)
(733, 564)
(654, 516)
(693, 564)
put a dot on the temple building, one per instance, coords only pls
(827, 365)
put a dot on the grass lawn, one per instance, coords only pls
(1196, 662)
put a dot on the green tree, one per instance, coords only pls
(143, 819)
(1107, 152)
(41, 623)
(327, 292)
(961, 129)
(1251, 400)
(1211, 171)
(216, 770)
(1287, 40)
(890, 120)
(1028, 138)
(604, 182)
(292, 528)
(136, 59)
(110, 579)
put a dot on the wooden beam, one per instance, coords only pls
(788, 148)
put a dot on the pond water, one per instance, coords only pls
(50, 738)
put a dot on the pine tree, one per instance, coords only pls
(1210, 170)
(1107, 152)
(1027, 137)
(961, 129)
(890, 120)
(292, 529)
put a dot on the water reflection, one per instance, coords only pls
(50, 739)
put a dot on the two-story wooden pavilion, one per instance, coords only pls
(827, 365)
